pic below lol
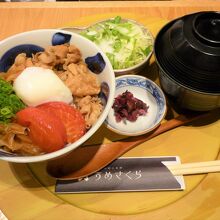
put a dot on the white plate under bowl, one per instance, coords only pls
(147, 91)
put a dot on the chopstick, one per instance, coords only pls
(195, 168)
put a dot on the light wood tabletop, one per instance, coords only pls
(27, 192)
(21, 16)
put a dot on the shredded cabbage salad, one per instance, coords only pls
(124, 42)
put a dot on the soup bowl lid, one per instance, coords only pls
(188, 50)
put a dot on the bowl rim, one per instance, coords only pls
(145, 130)
(180, 84)
(69, 147)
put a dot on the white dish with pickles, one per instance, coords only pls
(139, 106)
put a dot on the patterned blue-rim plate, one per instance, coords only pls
(147, 91)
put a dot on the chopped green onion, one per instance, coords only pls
(5, 88)
(10, 104)
(117, 20)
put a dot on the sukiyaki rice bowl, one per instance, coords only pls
(56, 89)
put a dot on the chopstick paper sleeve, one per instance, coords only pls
(128, 174)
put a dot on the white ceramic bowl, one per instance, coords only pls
(35, 40)
(148, 92)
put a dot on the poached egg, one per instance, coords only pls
(37, 85)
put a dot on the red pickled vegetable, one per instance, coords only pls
(128, 107)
